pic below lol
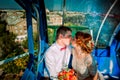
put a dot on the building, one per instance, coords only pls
(17, 23)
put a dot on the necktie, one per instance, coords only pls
(63, 48)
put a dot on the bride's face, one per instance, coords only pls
(74, 43)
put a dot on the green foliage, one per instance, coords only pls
(9, 48)
(22, 62)
(36, 42)
(15, 66)
(25, 44)
(35, 38)
(8, 45)
(74, 20)
(69, 24)
(51, 36)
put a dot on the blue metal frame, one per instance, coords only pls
(107, 58)
(43, 37)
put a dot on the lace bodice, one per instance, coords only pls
(84, 65)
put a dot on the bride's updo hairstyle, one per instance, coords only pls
(84, 40)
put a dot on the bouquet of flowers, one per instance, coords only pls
(67, 74)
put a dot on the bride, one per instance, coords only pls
(83, 62)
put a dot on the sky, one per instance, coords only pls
(9, 4)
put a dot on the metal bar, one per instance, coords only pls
(64, 9)
(13, 58)
(104, 21)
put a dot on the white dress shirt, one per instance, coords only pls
(56, 60)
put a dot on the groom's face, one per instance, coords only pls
(67, 38)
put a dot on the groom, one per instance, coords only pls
(58, 54)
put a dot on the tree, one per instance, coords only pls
(7, 42)
(9, 48)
